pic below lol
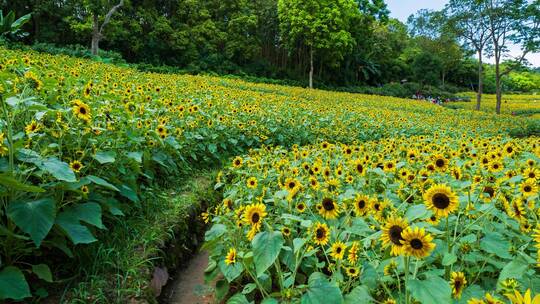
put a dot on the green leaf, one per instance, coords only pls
(43, 272)
(415, 212)
(432, 290)
(59, 169)
(369, 276)
(238, 299)
(136, 156)
(269, 301)
(266, 247)
(358, 295)
(12, 183)
(320, 290)
(495, 243)
(513, 270)
(222, 288)
(105, 157)
(100, 181)
(129, 193)
(249, 288)
(89, 213)
(449, 259)
(215, 232)
(232, 271)
(13, 285)
(70, 224)
(35, 217)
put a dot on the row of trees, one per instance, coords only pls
(336, 42)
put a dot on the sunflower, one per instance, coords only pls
(457, 283)
(352, 271)
(495, 166)
(353, 253)
(440, 162)
(390, 166)
(286, 231)
(301, 207)
(76, 165)
(433, 220)
(515, 209)
(390, 267)
(361, 205)
(416, 242)
(313, 183)
(81, 110)
(531, 173)
(329, 209)
(528, 187)
(254, 214)
(338, 250)
(359, 167)
(231, 257)
(389, 301)
(441, 200)
(85, 190)
(237, 162)
(321, 234)
(251, 182)
(391, 234)
(518, 298)
(32, 127)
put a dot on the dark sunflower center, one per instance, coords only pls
(441, 200)
(457, 284)
(509, 149)
(433, 218)
(531, 175)
(255, 218)
(328, 204)
(395, 234)
(439, 163)
(338, 250)
(417, 244)
(489, 190)
(377, 207)
(82, 110)
(320, 233)
(527, 188)
(360, 168)
(300, 207)
(361, 204)
(292, 185)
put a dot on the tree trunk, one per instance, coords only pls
(95, 36)
(311, 68)
(480, 81)
(443, 78)
(498, 85)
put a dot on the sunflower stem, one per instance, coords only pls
(447, 268)
(406, 279)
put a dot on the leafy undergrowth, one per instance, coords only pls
(119, 269)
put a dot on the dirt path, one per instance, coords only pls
(189, 287)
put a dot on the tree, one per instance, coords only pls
(515, 21)
(469, 21)
(426, 68)
(9, 27)
(317, 25)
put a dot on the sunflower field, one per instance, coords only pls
(328, 197)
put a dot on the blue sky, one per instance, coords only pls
(402, 9)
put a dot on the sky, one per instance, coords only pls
(402, 9)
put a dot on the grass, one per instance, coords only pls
(119, 268)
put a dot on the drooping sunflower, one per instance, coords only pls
(81, 110)
(441, 200)
(416, 242)
(329, 208)
(338, 250)
(528, 187)
(361, 205)
(390, 267)
(231, 256)
(457, 283)
(391, 234)
(353, 253)
(251, 182)
(321, 234)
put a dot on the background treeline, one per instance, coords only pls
(354, 43)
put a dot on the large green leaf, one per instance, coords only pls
(13, 285)
(57, 168)
(89, 213)
(79, 234)
(320, 290)
(34, 217)
(495, 243)
(43, 272)
(12, 183)
(232, 271)
(513, 270)
(105, 157)
(238, 299)
(359, 295)
(432, 290)
(266, 247)
(100, 181)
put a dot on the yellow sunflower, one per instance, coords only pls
(329, 209)
(353, 253)
(361, 205)
(321, 234)
(391, 234)
(254, 214)
(237, 162)
(32, 127)
(251, 182)
(231, 257)
(76, 166)
(441, 200)
(457, 283)
(416, 242)
(338, 250)
(81, 110)
(526, 298)
(528, 187)
(352, 271)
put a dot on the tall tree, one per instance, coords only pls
(317, 25)
(468, 18)
(512, 21)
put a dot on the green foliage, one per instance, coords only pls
(11, 27)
